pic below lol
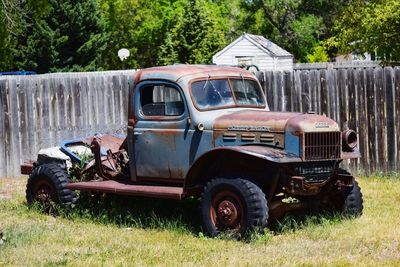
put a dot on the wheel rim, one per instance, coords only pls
(44, 193)
(226, 211)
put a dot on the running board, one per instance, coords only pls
(114, 187)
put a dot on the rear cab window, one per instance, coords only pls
(161, 100)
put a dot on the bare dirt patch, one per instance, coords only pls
(9, 187)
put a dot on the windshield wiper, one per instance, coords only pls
(244, 86)
(204, 86)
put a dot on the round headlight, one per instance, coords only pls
(349, 140)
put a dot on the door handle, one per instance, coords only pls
(137, 133)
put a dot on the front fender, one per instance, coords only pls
(253, 155)
(267, 153)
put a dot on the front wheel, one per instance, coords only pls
(352, 201)
(234, 206)
(348, 202)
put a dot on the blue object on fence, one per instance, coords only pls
(20, 72)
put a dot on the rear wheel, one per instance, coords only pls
(47, 185)
(234, 206)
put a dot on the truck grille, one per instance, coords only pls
(322, 145)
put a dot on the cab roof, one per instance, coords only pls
(177, 72)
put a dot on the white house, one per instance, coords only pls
(251, 49)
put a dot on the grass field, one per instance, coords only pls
(166, 233)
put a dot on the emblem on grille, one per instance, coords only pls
(321, 124)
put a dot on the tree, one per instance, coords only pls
(318, 54)
(296, 25)
(15, 17)
(140, 26)
(69, 37)
(196, 35)
(369, 27)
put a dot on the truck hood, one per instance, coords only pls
(278, 122)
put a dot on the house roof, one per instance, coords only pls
(261, 42)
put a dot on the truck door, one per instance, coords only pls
(162, 134)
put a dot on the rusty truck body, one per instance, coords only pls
(207, 132)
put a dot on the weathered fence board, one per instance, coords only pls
(42, 110)
(3, 144)
(390, 133)
(397, 114)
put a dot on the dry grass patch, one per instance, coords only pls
(166, 233)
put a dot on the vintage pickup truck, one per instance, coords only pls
(206, 132)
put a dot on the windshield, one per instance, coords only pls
(209, 94)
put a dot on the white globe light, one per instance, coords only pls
(123, 54)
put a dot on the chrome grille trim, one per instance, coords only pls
(322, 145)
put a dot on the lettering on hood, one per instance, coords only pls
(249, 128)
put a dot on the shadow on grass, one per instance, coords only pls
(127, 211)
(176, 215)
(300, 220)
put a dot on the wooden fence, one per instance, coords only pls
(364, 99)
(42, 110)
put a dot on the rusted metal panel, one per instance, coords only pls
(108, 141)
(114, 187)
(270, 121)
(27, 167)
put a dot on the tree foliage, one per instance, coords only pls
(296, 25)
(70, 35)
(15, 17)
(138, 25)
(196, 36)
(369, 27)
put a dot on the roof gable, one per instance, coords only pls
(268, 45)
(259, 41)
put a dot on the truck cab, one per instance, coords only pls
(206, 132)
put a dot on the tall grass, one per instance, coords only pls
(123, 231)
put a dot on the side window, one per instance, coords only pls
(161, 100)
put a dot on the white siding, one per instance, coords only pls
(242, 48)
(265, 62)
(245, 48)
(284, 63)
